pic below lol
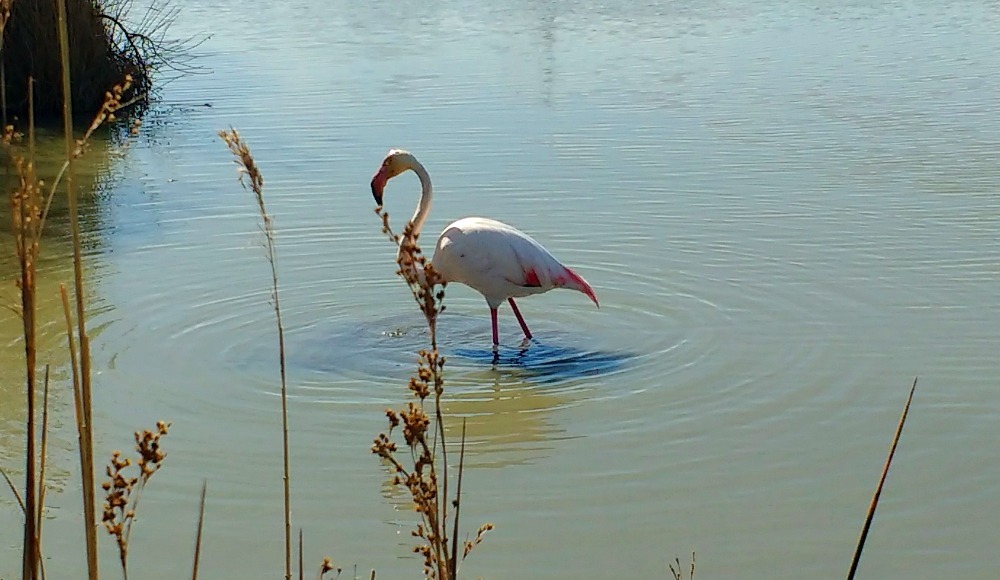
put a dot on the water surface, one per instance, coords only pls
(787, 210)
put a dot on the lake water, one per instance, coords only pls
(788, 210)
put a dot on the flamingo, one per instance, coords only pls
(495, 259)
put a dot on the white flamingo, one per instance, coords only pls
(491, 257)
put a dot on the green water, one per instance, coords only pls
(787, 210)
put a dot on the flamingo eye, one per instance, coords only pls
(385, 163)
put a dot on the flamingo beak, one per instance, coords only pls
(378, 184)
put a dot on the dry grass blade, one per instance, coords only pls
(13, 489)
(248, 171)
(74, 366)
(201, 525)
(86, 454)
(20, 503)
(457, 504)
(43, 460)
(878, 489)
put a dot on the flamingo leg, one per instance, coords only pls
(520, 319)
(496, 334)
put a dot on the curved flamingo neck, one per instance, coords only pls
(426, 194)
(423, 206)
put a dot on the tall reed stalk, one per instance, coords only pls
(201, 527)
(25, 217)
(878, 488)
(84, 421)
(248, 170)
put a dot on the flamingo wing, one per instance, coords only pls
(501, 261)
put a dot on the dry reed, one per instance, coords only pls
(678, 571)
(84, 423)
(426, 437)
(248, 171)
(25, 202)
(878, 488)
(122, 491)
(25, 213)
(326, 567)
(201, 525)
(30, 202)
(42, 462)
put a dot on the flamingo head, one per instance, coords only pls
(396, 161)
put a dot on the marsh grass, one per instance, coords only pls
(424, 474)
(30, 201)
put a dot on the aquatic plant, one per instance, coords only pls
(122, 492)
(422, 434)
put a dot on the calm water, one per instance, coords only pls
(788, 211)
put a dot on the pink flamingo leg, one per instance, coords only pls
(517, 313)
(496, 335)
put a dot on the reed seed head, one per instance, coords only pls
(328, 566)
(122, 490)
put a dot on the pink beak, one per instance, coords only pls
(378, 184)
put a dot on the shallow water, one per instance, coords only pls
(787, 210)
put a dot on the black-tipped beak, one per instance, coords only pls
(378, 185)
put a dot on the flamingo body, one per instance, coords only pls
(500, 262)
(495, 259)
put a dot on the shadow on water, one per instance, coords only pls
(547, 362)
(387, 347)
(508, 403)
